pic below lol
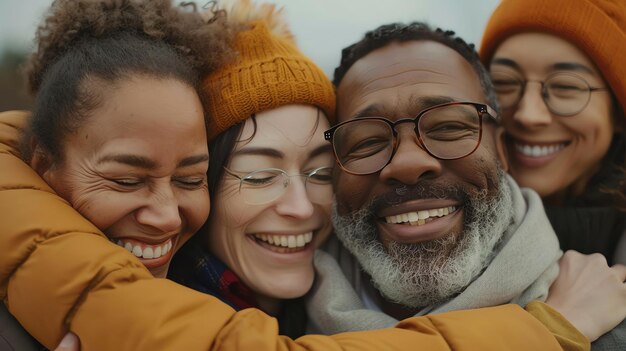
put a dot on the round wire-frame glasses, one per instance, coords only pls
(564, 93)
(266, 185)
(448, 131)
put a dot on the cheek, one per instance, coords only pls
(228, 223)
(327, 227)
(195, 207)
(105, 208)
(352, 191)
(479, 170)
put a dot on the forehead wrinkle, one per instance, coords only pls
(414, 100)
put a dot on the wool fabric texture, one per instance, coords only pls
(522, 268)
(597, 27)
(269, 72)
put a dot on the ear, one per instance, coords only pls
(501, 150)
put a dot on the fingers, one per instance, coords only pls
(69, 342)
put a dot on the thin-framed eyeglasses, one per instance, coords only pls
(448, 131)
(266, 185)
(564, 93)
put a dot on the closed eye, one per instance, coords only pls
(191, 183)
(128, 182)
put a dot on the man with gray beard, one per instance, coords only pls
(424, 273)
(427, 217)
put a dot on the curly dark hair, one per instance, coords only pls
(400, 32)
(84, 43)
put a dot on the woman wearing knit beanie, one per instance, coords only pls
(557, 67)
(270, 173)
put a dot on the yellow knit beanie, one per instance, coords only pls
(268, 72)
(597, 27)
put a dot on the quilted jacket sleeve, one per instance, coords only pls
(58, 273)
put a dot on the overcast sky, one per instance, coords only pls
(322, 27)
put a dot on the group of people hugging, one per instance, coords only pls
(189, 180)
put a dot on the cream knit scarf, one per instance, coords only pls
(522, 269)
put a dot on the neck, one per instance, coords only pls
(577, 188)
(396, 310)
(269, 305)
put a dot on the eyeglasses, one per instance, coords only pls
(266, 185)
(447, 132)
(565, 94)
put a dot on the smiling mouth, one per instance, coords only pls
(143, 250)
(534, 150)
(285, 241)
(417, 218)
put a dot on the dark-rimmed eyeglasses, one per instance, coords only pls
(266, 185)
(449, 131)
(565, 94)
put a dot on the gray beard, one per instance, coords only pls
(430, 273)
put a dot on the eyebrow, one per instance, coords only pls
(130, 160)
(369, 111)
(146, 163)
(506, 62)
(572, 66)
(259, 151)
(564, 66)
(320, 150)
(423, 102)
(193, 160)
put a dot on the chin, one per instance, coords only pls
(159, 272)
(290, 287)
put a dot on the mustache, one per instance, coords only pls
(426, 189)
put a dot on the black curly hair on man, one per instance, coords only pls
(400, 32)
(85, 46)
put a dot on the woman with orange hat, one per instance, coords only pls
(557, 68)
(558, 71)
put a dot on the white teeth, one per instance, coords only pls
(538, 151)
(137, 251)
(146, 252)
(300, 241)
(419, 217)
(291, 241)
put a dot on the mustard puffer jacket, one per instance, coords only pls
(58, 272)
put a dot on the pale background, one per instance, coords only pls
(322, 27)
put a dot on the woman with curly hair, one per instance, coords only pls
(118, 129)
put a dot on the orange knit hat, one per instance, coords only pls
(268, 72)
(598, 27)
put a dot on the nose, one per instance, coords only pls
(161, 211)
(532, 111)
(410, 161)
(295, 201)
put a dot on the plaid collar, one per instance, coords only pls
(210, 275)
